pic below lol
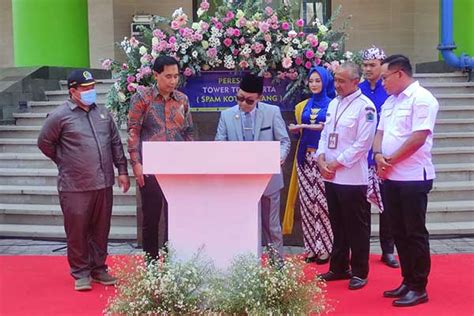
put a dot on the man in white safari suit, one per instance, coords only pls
(252, 120)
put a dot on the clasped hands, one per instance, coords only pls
(384, 165)
(328, 170)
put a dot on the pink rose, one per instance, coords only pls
(285, 26)
(263, 27)
(235, 52)
(298, 61)
(212, 52)
(131, 87)
(229, 31)
(236, 32)
(244, 64)
(268, 11)
(230, 15)
(267, 37)
(172, 40)
(309, 54)
(314, 42)
(308, 65)
(158, 33)
(107, 64)
(242, 41)
(174, 25)
(133, 42)
(300, 23)
(204, 26)
(204, 5)
(317, 61)
(227, 42)
(124, 66)
(286, 62)
(130, 79)
(219, 25)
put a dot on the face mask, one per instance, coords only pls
(88, 97)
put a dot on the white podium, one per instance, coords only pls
(213, 191)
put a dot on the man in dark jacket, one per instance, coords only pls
(83, 141)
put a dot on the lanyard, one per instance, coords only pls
(337, 108)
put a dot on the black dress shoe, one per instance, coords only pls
(323, 259)
(412, 298)
(311, 259)
(389, 260)
(357, 283)
(332, 276)
(398, 292)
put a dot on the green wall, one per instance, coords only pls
(463, 25)
(50, 33)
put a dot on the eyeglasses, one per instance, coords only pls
(386, 76)
(247, 100)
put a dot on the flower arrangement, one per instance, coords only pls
(194, 287)
(239, 37)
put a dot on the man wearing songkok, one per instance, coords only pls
(253, 120)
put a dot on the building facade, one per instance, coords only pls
(79, 33)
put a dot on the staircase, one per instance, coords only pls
(29, 204)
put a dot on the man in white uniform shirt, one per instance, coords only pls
(402, 152)
(342, 159)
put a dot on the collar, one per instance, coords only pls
(73, 105)
(156, 92)
(351, 96)
(411, 89)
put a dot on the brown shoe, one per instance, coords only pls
(104, 278)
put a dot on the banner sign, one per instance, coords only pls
(217, 90)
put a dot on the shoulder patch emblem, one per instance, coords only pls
(369, 116)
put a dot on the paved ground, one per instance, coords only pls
(39, 247)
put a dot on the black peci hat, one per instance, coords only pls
(252, 84)
(80, 77)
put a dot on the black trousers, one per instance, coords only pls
(406, 203)
(387, 242)
(87, 225)
(349, 214)
(153, 201)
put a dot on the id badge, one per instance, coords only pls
(332, 143)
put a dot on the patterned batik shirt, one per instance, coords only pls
(153, 117)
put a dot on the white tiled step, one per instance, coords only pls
(454, 172)
(454, 125)
(453, 154)
(57, 231)
(453, 139)
(449, 87)
(24, 194)
(122, 215)
(451, 191)
(438, 229)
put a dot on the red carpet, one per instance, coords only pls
(40, 285)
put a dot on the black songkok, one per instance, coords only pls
(252, 84)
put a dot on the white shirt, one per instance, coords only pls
(414, 109)
(356, 118)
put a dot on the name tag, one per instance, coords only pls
(332, 142)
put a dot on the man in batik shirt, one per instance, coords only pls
(158, 113)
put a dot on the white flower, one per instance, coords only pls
(177, 12)
(143, 50)
(121, 97)
(323, 29)
(200, 12)
(348, 55)
(194, 54)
